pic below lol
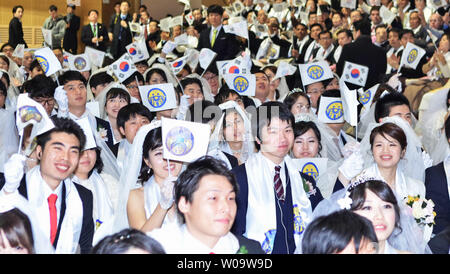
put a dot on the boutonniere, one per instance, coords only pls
(103, 133)
(421, 209)
(309, 188)
(242, 250)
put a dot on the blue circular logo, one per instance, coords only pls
(79, 63)
(179, 141)
(315, 72)
(365, 97)
(240, 84)
(311, 170)
(334, 110)
(412, 56)
(43, 63)
(156, 97)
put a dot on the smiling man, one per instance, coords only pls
(272, 205)
(63, 208)
(205, 197)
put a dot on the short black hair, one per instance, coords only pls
(316, 25)
(332, 233)
(384, 104)
(131, 110)
(118, 92)
(405, 31)
(191, 80)
(326, 32)
(346, 31)
(15, 8)
(99, 79)
(89, 12)
(35, 64)
(98, 166)
(53, 8)
(266, 112)
(122, 241)
(363, 26)
(65, 125)
(40, 86)
(71, 75)
(224, 93)
(188, 181)
(215, 9)
(203, 112)
(133, 77)
(153, 71)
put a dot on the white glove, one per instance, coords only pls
(349, 148)
(166, 200)
(352, 166)
(63, 101)
(14, 170)
(427, 161)
(183, 108)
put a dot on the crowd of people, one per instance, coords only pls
(286, 170)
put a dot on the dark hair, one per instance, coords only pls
(379, 188)
(290, 100)
(381, 26)
(191, 80)
(71, 75)
(203, 112)
(326, 32)
(266, 112)
(53, 8)
(35, 64)
(223, 94)
(3, 89)
(15, 8)
(153, 71)
(316, 25)
(65, 125)
(363, 26)
(384, 104)
(98, 162)
(133, 77)
(5, 58)
(17, 229)
(447, 128)
(89, 13)
(405, 31)
(393, 131)
(5, 45)
(152, 141)
(376, 8)
(302, 127)
(40, 86)
(188, 181)
(118, 92)
(215, 9)
(6, 75)
(346, 31)
(396, 30)
(99, 79)
(273, 69)
(130, 111)
(72, 6)
(332, 233)
(121, 242)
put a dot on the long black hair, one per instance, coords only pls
(152, 141)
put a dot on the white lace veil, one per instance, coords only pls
(9, 139)
(130, 175)
(217, 141)
(205, 86)
(90, 95)
(8, 202)
(412, 162)
(101, 98)
(408, 237)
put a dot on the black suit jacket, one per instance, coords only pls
(284, 46)
(437, 190)
(87, 228)
(411, 73)
(363, 52)
(70, 36)
(226, 45)
(301, 57)
(16, 33)
(87, 35)
(118, 46)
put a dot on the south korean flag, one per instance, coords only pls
(355, 74)
(124, 67)
(137, 51)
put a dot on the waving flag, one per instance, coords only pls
(48, 61)
(284, 68)
(79, 62)
(47, 33)
(411, 56)
(95, 56)
(19, 51)
(330, 110)
(239, 29)
(244, 84)
(124, 67)
(349, 103)
(355, 74)
(366, 99)
(138, 51)
(178, 64)
(315, 72)
(158, 97)
(184, 141)
(206, 57)
(87, 129)
(189, 18)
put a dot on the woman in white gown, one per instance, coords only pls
(151, 206)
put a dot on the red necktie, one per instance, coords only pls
(145, 32)
(52, 207)
(278, 184)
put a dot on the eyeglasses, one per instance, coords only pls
(132, 87)
(43, 101)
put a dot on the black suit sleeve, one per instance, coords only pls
(240, 222)
(87, 228)
(85, 35)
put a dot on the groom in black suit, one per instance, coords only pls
(437, 189)
(215, 38)
(94, 34)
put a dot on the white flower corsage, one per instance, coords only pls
(346, 202)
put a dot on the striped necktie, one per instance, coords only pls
(278, 184)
